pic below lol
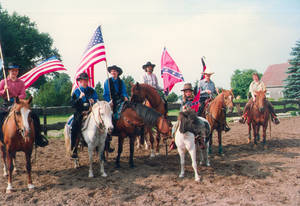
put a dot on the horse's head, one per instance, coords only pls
(138, 95)
(228, 99)
(260, 97)
(21, 111)
(104, 112)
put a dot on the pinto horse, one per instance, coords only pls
(146, 93)
(215, 114)
(259, 115)
(94, 132)
(19, 135)
(134, 117)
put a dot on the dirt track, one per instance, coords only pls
(243, 176)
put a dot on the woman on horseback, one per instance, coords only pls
(257, 85)
(83, 97)
(188, 97)
(16, 88)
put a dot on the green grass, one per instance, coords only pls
(173, 112)
(54, 119)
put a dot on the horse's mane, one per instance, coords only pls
(189, 122)
(148, 114)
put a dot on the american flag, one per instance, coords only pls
(94, 53)
(49, 65)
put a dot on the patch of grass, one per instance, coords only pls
(51, 119)
(173, 112)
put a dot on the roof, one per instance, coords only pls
(275, 74)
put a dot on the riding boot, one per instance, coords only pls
(243, 119)
(226, 127)
(273, 114)
(107, 144)
(40, 140)
(75, 129)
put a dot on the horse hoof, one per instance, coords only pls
(249, 141)
(197, 179)
(5, 175)
(181, 176)
(30, 186)
(207, 164)
(9, 189)
(152, 155)
(104, 174)
(91, 175)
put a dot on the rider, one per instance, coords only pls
(114, 93)
(188, 96)
(257, 85)
(150, 78)
(82, 99)
(16, 88)
(208, 90)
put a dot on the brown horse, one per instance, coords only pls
(133, 119)
(259, 115)
(18, 130)
(146, 93)
(215, 114)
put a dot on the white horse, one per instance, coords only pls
(189, 125)
(94, 131)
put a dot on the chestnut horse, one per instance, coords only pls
(19, 134)
(145, 93)
(134, 117)
(259, 115)
(215, 114)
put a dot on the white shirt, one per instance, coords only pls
(151, 80)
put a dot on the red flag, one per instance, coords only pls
(169, 72)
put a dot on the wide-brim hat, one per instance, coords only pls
(83, 76)
(208, 71)
(12, 66)
(148, 64)
(187, 86)
(114, 67)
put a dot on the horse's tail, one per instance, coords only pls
(67, 140)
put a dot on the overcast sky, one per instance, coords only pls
(231, 34)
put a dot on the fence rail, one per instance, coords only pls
(66, 110)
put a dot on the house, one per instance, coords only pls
(274, 78)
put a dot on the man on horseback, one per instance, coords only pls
(115, 93)
(16, 88)
(257, 85)
(207, 92)
(82, 99)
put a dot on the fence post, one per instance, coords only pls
(45, 120)
(284, 106)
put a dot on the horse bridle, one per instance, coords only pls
(100, 125)
(209, 113)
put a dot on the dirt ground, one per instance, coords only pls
(245, 175)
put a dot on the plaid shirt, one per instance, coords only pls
(151, 79)
(15, 89)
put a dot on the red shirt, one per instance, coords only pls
(15, 88)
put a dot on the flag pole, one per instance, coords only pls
(4, 74)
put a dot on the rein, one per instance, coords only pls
(100, 125)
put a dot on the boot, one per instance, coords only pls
(242, 120)
(226, 127)
(275, 119)
(41, 140)
(74, 154)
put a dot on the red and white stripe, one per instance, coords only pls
(48, 66)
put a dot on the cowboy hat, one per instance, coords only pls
(148, 64)
(12, 66)
(114, 67)
(187, 86)
(208, 71)
(83, 76)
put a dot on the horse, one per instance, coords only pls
(146, 93)
(134, 117)
(95, 128)
(191, 126)
(259, 115)
(215, 113)
(18, 135)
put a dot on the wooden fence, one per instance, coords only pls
(67, 110)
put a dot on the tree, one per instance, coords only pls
(241, 80)
(23, 44)
(128, 80)
(99, 90)
(172, 97)
(292, 87)
(55, 92)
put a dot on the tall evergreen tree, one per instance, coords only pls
(292, 87)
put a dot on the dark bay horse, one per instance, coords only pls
(133, 119)
(146, 93)
(259, 115)
(19, 135)
(215, 114)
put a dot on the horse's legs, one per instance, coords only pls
(255, 130)
(151, 142)
(3, 152)
(220, 141)
(120, 149)
(204, 153)
(210, 143)
(192, 150)
(265, 126)
(249, 133)
(28, 168)
(15, 164)
(181, 153)
(131, 142)
(101, 158)
(90, 151)
(157, 142)
(9, 162)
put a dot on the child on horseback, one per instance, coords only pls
(16, 88)
(257, 85)
(115, 93)
(82, 99)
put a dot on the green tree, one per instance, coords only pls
(292, 87)
(172, 97)
(55, 92)
(128, 80)
(99, 90)
(23, 44)
(240, 82)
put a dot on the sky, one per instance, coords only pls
(231, 34)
